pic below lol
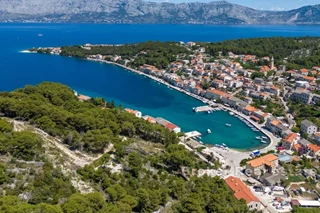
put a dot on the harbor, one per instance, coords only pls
(216, 122)
(264, 139)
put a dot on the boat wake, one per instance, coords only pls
(25, 51)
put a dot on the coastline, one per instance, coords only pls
(270, 136)
(199, 98)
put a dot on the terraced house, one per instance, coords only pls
(262, 165)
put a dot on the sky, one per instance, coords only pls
(259, 4)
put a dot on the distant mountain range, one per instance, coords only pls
(138, 11)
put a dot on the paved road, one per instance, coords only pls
(290, 116)
(236, 92)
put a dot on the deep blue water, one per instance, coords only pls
(114, 83)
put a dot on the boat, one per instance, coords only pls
(264, 137)
(201, 142)
(228, 125)
(224, 145)
(198, 137)
(231, 113)
(40, 35)
(209, 131)
(262, 141)
(208, 111)
(258, 138)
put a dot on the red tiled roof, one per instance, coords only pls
(250, 108)
(170, 126)
(255, 118)
(290, 138)
(314, 147)
(241, 191)
(297, 147)
(267, 159)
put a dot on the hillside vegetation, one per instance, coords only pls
(298, 52)
(146, 170)
(295, 53)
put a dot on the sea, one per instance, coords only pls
(128, 89)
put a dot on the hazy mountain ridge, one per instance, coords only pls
(138, 11)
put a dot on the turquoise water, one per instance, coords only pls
(126, 88)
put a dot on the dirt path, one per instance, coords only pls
(61, 156)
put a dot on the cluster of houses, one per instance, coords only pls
(293, 141)
(304, 83)
(167, 124)
(268, 170)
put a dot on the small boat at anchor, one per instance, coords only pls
(208, 131)
(229, 125)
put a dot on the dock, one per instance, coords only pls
(207, 108)
(192, 134)
(202, 109)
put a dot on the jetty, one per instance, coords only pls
(202, 108)
(192, 134)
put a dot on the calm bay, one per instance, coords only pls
(126, 88)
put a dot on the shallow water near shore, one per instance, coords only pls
(124, 87)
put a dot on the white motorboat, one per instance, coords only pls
(208, 131)
(224, 145)
(228, 125)
(258, 138)
(231, 113)
(262, 141)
